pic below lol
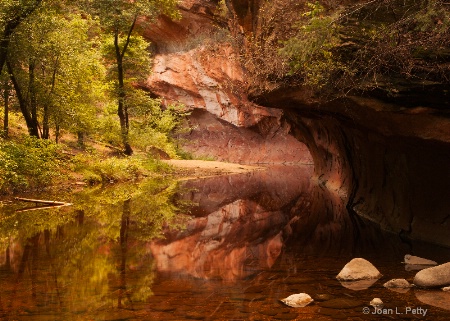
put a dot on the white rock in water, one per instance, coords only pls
(415, 260)
(297, 300)
(376, 302)
(397, 283)
(358, 269)
(436, 276)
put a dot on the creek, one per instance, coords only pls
(220, 248)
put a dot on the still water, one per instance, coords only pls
(220, 248)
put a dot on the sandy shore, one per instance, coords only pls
(200, 168)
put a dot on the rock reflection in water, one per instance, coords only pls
(242, 222)
(239, 224)
(437, 298)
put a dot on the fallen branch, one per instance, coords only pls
(41, 201)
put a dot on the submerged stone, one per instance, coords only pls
(397, 283)
(437, 276)
(358, 269)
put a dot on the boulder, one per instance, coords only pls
(358, 269)
(415, 260)
(436, 276)
(397, 283)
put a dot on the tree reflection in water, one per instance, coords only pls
(252, 238)
(87, 258)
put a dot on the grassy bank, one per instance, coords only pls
(27, 163)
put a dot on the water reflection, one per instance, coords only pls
(437, 298)
(250, 240)
(87, 259)
(243, 222)
(239, 227)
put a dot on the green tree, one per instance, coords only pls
(63, 74)
(12, 14)
(119, 18)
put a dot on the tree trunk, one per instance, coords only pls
(33, 98)
(57, 133)
(6, 114)
(122, 109)
(32, 129)
(80, 137)
(45, 126)
(45, 121)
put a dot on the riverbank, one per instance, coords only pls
(192, 168)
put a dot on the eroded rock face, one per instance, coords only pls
(387, 162)
(206, 78)
(267, 142)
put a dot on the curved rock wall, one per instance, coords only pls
(387, 162)
(391, 168)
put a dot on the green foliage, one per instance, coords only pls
(28, 163)
(154, 126)
(433, 17)
(117, 169)
(63, 65)
(64, 71)
(136, 60)
(310, 52)
(222, 8)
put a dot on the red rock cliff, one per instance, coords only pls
(387, 160)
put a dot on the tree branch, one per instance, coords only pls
(127, 42)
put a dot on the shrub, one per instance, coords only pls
(28, 163)
(114, 170)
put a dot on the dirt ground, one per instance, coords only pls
(189, 169)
